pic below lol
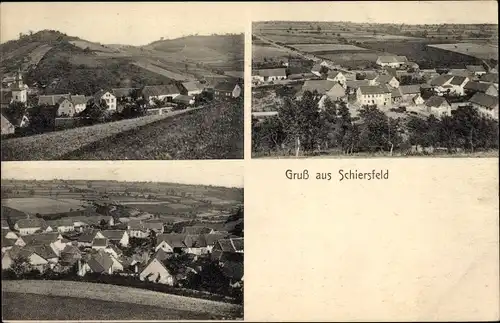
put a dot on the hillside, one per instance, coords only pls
(58, 63)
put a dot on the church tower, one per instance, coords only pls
(19, 91)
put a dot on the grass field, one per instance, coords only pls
(481, 51)
(212, 133)
(43, 205)
(103, 301)
(52, 145)
(147, 65)
(312, 48)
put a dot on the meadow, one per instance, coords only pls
(53, 145)
(43, 205)
(481, 51)
(118, 297)
(214, 133)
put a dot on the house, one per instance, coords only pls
(269, 75)
(336, 76)
(195, 244)
(7, 126)
(106, 96)
(197, 229)
(113, 251)
(124, 93)
(99, 243)
(136, 229)
(86, 238)
(229, 249)
(170, 242)
(40, 257)
(477, 70)
(53, 239)
(164, 93)
(155, 271)
(392, 61)
(387, 79)
(70, 254)
(99, 262)
(234, 271)
(486, 88)
(19, 90)
(225, 90)
(64, 225)
(67, 105)
(438, 106)
(485, 104)
(461, 72)
(374, 95)
(30, 226)
(449, 84)
(120, 237)
(184, 99)
(7, 243)
(371, 77)
(193, 87)
(154, 225)
(353, 85)
(408, 92)
(321, 87)
(335, 94)
(316, 69)
(418, 100)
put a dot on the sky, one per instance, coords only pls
(142, 23)
(225, 173)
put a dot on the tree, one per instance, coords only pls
(95, 111)
(324, 70)
(21, 266)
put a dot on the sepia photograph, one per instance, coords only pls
(362, 81)
(121, 81)
(105, 242)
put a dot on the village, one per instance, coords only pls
(73, 240)
(396, 83)
(25, 111)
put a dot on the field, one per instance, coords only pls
(41, 300)
(52, 145)
(43, 205)
(312, 48)
(481, 51)
(83, 44)
(145, 64)
(214, 133)
(38, 53)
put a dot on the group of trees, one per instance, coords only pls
(301, 127)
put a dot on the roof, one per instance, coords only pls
(193, 86)
(391, 71)
(316, 67)
(40, 238)
(321, 86)
(186, 99)
(113, 234)
(63, 222)
(441, 80)
(197, 229)
(59, 98)
(31, 223)
(8, 242)
(374, 90)
(392, 59)
(395, 93)
(384, 78)
(5, 96)
(231, 245)
(98, 95)
(333, 74)
(460, 72)
(70, 249)
(357, 83)
(212, 238)
(123, 91)
(174, 240)
(477, 86)
(458, 80)
(371, 75)
(225, 86)
(484, 100)
(271, 72)
(44, 251)
(490, 78)
(195, 241)
(157, 260)
(100, 262)
(157, 90)
(475, 68)
(135, 225)
(153, 224)
(161, 255)
(435, 101)
(88, 236)
(410, 89)
(100, 242)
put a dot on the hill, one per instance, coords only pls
(58, 63)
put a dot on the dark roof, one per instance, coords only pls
(40, 238)
(435, 101)
(357, 83)
(477, 86)
(484, 100)
(174, 240)
(113, 234)
(8, 242)
(31, 223)
(321, 86)
(5, 97)
(100, 262)
(230, 245)
(195, 241)
(100, 242)
(384, 78)
(211, 239)
(374, 89)
(333, 74)
(490, 78)
(186, 99)
(88, 235)
(157, 90)
(458, 80)
(193, 86)
(410, 89)
(44, 251)
(225, 86)
(441, 79)
(271, 72)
